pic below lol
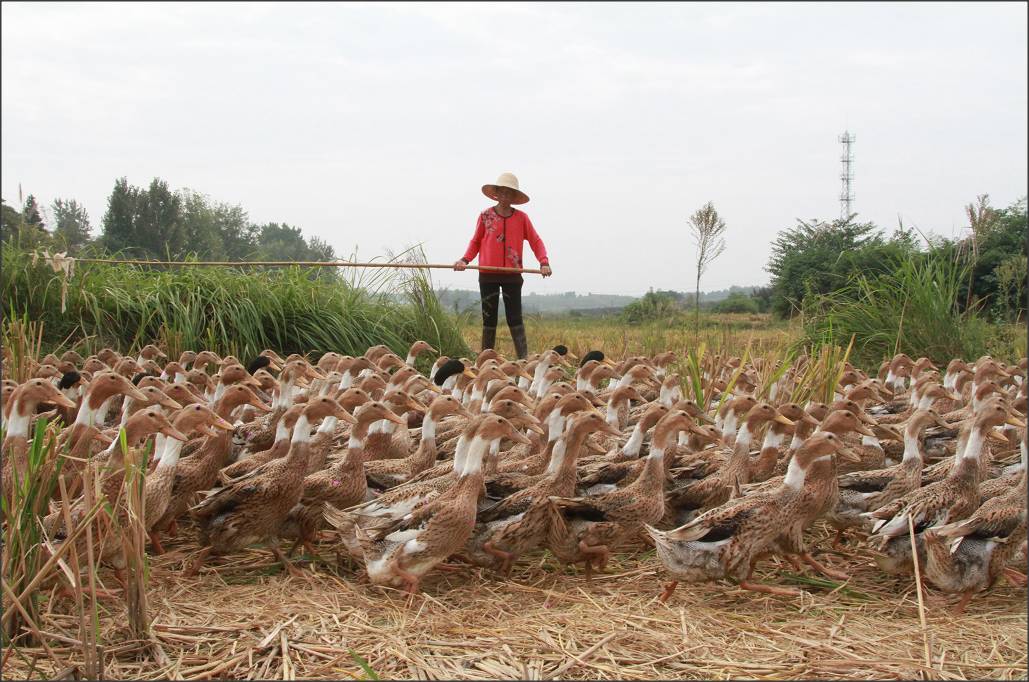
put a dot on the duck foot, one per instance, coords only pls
(959, 608)
(155, 540)
(1016, 578)
(194, 567)
(824, 570)
(768, 589)
(287, 564)
(65, 591)
(506, 558)
(837, 541)
(669, 589)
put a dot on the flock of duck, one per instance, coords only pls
(488, 459)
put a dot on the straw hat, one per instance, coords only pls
(511, 182)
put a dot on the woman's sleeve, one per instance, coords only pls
(473, 246)
(535, 243)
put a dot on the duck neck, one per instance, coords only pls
(476, 451)
(912, 447)
(170, 452)
(19, 420)
(635, 443)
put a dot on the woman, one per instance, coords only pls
(499, 235)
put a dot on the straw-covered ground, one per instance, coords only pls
(243, 618)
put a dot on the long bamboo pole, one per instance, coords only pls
(311, 264)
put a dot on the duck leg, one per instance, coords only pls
(287, 564)
(669, 589)
(594, 554)
(194, 567)
(173, 528)
(506, 558)
(837, 541)
(1015, 577)
(155, 540)
(767, 589)
(966, 597)
(824, 570)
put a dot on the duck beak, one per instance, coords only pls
(463, 411)
(610, 363)
(261, 407)
(1012, 421)
(535, 428)
(519, 437)
(431, 349)
(136, 394)
(468, 373)
(866, 419)
(865, 431)
(62, 400)
(274, 366)
(783, 420)
(396, 419)
(593, 447)
(848, 455)
(345, 416)
(222, 424)
(942, 424)
(809, 419)
(997, 436)
(103, 439)
(172, 432)
(611, 429)
(171, 404)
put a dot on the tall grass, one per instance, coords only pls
(228, 310)
(912, 309)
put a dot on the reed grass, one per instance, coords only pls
(913, 308)
(227, 310)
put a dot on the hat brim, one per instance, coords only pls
(520, 196)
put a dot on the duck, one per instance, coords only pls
(199, 471)
(251, 510)
(587, 529)
(726, 542)
(279, 447)
(715, 488)
(863, 491)
(518, 523)
(387, 473)
(158, 483)
(17, 418)
(402, 554)
(952, 499)
(343, 484)
(968, 556)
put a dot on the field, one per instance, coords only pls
(242, 617)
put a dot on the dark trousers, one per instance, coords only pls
(490, 293)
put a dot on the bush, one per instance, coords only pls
(227, 310)
(912, 308)
(737, 303)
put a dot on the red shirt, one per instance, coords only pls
(498, 240)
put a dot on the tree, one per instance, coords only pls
(30, 214)
(120, 219)
(71, 224)
(708, 231)
(11, 221)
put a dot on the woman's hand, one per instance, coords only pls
(460, 264)
(547, 272)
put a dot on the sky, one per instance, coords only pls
(374, 126)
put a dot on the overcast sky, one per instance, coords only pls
(374, 126)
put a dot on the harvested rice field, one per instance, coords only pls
(244, 619)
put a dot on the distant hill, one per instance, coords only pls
(589, 303)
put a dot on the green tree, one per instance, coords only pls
(71, 224)
(159, 225)
(11, 222)
(120, 227)
(817, 257)
(30, 214)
